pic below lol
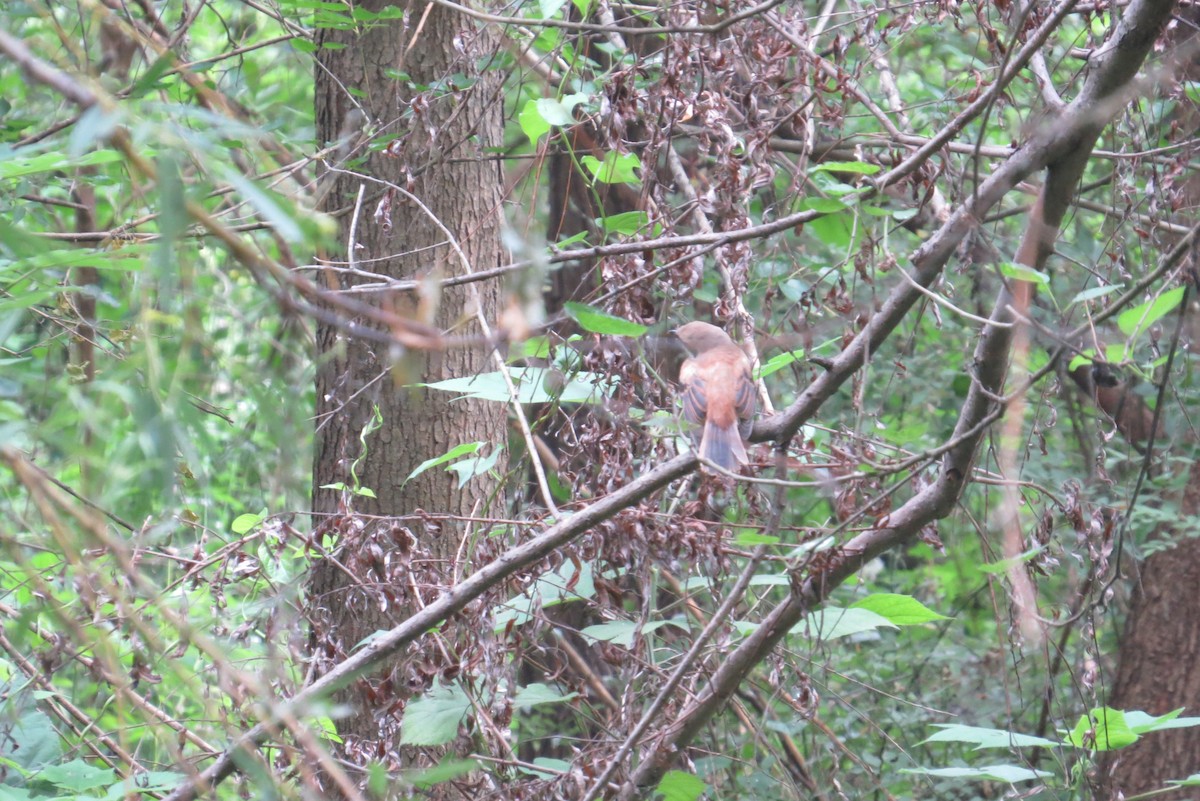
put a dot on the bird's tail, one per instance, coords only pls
(723, 446)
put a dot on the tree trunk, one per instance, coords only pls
(1161, 644)
(1157, 671)
(443, 132)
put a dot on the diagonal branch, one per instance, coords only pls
(1064, 149)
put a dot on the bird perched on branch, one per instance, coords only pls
(718, 393)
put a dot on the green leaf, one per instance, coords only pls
(534, 385)
(626, 222)
(1102, 729)
(824, 205)
(749, 537)
(271, 211)
(1081, 359)
(77, 776)
(858, 167)
(1021, 272)
(1133, 322)
(1093, 293)
(448, 456)
(467, 469)
(445, 771)
(903, 610)
(616, 168)
(434, 719)
(533, 124)
(831, 623)
(328, 729)
(1004, 565)
(985, 738)
(535, 694)
(567, 583)
(1190, 781)
(146, 782)
(679, 786)
(1009, 774)
(598, 322)
(553, 768)
(245, 522)
(50, 162)
(623, 632)
(557, 112)
(1141, 723)
(778, 362)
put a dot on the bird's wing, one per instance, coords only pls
(695, 398)
(744, 399)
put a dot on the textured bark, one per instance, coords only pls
(443, 154)
(1157, 673)
(1161, 644)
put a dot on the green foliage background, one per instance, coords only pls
(164, 615)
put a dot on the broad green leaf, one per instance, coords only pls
(679, 786)
(1004, 565)
(448, 456)
(1190, 781)
(272, 212)
(467, 469)
(831, 623)
(749, 537)
(77, 776)
(1081, 359)
(49, 162)
(623, 632)
(154, 782)
(1141, 723)
(846, 166)
(444, 771)
(553, 768)
(125, 257)
(328, 729)
(1102, 729)
(986, 738)
(1133, 322)
(1021, 272)
(535, 694)
(1094, 293)
(434, 719)
(824, 205)
(533, 124)
(626, 222)
(534, 385)
(557, 112)
(1009, 774)
(779, 361)
(245, 522)
(616, 168)
(835, 230)
(568, 583)
(599, 322)
(903, 610)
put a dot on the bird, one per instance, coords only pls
(718, 393)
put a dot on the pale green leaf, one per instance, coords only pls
(434, 719)
(1136, 320)
(1009, 774)
(903, 610)
(679, 786)
(599, 322)
(986, 738)
(537, 693)
(831, 623)
(448, 456)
